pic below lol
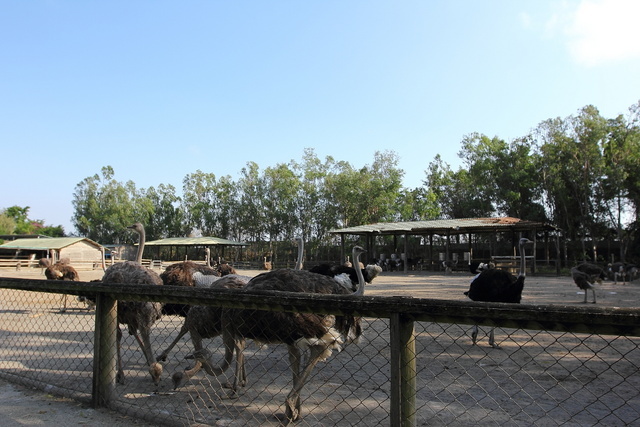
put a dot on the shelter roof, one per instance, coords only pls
(194, 241)
(446, 226)
(46, 244)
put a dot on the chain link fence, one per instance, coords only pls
(553, 366)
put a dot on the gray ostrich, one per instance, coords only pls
(316, 333)
(138, 316)
(43, 263)
(497, 285)
(61, 270)
(585, 275)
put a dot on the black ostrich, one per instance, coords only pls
(318, 334)
(497, 285)
(585, 275)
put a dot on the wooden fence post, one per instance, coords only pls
(403, 371)
(105, 351)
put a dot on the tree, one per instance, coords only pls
(505, 174)
(572, 167)
(20, 216)
(7, 224)
(199, 200)
(456, 193)
(252, 193)
(168, 218)
(104, 208)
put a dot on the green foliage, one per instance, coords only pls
(7, 224)
(580, 173)
(15, 220)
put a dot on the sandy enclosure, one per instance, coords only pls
(422, 284)
(530, 380)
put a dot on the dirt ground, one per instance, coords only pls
(22, 406)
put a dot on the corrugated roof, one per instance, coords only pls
(194, 241)
(443, 226)
(45, 244)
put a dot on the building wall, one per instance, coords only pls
(81, 251)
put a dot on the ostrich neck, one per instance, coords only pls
(300, 254)
(523, 261)
(140, 246)
(356, 266)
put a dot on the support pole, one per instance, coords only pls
(403, 372)
(105, 351)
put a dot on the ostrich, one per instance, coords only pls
(190, 274)
(138, 316)
(585, 275)
(61, 270)
(477, 267)
(449, 265)
(618, 270)
(266, 265)
(181, 274)
(225, 269)
(319, 334)
(496, 285)
(205, 322)
(44, 263)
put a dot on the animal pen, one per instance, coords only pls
(559, 365)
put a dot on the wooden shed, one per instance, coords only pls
(79, 250)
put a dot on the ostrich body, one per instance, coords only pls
(181, 274)
(585, 275)
(61, 270)
(205, 322)
(618, 270)
(477, 267)
(138, 316)
(318, 334)
(497, 285)
(190, 274)
(449, 266)
(44, 263)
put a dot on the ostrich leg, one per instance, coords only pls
(474, 334)
(492, 341)
(183, 331)
(120, 372)
(292, 403)
(144, 340)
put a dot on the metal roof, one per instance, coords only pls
(445, 226)
(194, 241)
(46, 244)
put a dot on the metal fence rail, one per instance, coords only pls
(414, 366)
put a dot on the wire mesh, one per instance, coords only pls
(533, 378)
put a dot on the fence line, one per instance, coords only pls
(402, 313)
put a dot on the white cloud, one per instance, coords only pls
(604, 31)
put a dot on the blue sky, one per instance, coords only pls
(160, 89)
